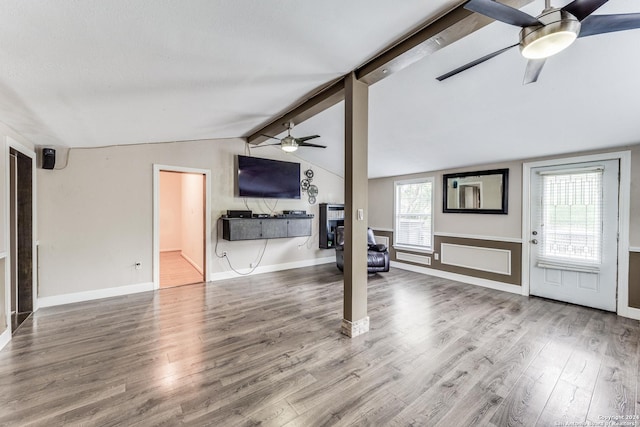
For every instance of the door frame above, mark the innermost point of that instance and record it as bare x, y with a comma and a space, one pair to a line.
156, 217
624, 199
13, 144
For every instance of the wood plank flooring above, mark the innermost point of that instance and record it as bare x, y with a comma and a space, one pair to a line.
266, 350
177, 271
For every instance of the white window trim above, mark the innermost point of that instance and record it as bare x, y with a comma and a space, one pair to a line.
397, 245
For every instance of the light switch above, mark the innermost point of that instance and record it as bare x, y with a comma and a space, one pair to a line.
360, 214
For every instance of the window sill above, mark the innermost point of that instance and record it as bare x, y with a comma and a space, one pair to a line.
413, 249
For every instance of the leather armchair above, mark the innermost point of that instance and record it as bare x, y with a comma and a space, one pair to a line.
377, 255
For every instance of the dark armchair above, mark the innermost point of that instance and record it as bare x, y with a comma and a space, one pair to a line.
377, 255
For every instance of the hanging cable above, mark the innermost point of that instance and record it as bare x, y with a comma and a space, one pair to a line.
224, 254
215, 249
264, 249
271, 210
309, 239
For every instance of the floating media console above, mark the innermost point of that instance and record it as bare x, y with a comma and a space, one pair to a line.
265, 228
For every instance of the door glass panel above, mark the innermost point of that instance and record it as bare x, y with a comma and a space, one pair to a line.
571, 222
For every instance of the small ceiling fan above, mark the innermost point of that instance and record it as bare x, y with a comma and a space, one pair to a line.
291, 144
549, 33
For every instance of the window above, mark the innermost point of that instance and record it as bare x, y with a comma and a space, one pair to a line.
413, 227
571, 223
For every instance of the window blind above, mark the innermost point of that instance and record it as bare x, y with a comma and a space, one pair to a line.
413, 214
571, 216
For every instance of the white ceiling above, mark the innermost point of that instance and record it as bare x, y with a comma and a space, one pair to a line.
95, 73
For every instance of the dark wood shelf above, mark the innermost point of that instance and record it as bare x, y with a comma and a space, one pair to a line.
265, 228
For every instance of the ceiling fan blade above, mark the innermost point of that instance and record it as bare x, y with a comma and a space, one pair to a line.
583, 8
474, 63
269, 136
306, 138
533, 70
308, 144
600, 24
502, 12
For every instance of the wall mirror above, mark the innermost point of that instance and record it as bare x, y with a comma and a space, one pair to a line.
476, 192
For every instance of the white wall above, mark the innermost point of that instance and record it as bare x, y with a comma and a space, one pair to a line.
95, 216
192, 223
170, 211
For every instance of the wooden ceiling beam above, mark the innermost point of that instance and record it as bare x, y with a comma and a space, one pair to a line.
432, 36
317, 103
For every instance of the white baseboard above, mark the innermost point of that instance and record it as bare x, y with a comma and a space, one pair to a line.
499, 286
192, 262
5, 337
630, 312
271, 268
96, 294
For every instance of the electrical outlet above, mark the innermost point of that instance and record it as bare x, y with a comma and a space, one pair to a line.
436, 256
138, 265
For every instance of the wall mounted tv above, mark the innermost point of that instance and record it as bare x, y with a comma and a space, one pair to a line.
266, 178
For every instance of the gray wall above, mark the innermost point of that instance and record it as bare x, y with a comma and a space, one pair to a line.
381, 205
96, 216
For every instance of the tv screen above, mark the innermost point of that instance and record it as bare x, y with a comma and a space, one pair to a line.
267, 178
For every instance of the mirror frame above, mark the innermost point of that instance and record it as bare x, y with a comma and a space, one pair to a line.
504, 196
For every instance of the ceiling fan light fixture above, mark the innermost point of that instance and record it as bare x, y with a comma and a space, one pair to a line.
289, 144
559, 31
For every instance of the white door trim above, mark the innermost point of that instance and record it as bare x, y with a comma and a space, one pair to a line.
156, 217
12, 143
624, 157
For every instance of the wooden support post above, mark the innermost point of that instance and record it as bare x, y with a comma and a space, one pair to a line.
355, 320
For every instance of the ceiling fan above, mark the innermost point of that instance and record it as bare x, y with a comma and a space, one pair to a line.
549, 33
291, 144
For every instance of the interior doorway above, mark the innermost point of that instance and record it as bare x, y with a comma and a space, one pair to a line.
182, 227
20, 237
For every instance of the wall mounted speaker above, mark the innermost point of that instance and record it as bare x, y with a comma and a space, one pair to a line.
48, 158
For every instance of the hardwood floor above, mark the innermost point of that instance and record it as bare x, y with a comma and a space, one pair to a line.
266, 350
177, 271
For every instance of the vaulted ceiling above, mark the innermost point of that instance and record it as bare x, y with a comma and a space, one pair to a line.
96, 73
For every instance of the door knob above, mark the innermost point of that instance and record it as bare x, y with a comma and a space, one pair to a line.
534, 232
534, 241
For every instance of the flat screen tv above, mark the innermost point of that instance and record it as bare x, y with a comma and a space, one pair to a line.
266, 178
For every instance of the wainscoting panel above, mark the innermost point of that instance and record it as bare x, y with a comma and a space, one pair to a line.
491, 260
413, 258
486, 259
492, 267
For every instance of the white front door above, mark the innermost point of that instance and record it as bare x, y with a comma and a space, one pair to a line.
574, 233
